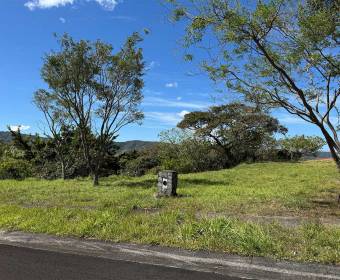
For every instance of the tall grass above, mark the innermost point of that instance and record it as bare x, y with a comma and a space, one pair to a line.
124, 209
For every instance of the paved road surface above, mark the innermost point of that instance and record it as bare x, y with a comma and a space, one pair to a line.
18, 263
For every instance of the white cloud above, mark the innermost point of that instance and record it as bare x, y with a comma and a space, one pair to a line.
183, 113
152, 65
160, 102
62, 20
179, 98
162, 117
45, 4
108, 4
172, 85
166, 118
21, 127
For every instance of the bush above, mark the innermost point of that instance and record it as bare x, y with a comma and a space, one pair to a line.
15, 169
298, 146
139, 163
180, 150
140, 166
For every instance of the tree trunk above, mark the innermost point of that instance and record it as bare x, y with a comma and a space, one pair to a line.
95, 179
335, 156
332, 146
63, 173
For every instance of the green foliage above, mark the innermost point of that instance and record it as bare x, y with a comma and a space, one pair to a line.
2, 149
13, 164
319, 19
139, 163
22, 144
180, 150
298, 146
241, 132
94, 91
15, 169
60, 156
272, 61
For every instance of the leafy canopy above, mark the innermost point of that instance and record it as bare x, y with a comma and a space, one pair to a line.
94, 91
277, 53
240, 130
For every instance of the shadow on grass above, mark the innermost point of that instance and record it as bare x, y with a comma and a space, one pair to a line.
203, 182
325, 203
145, 184
152, 183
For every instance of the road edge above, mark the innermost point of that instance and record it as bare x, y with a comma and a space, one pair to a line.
223, 264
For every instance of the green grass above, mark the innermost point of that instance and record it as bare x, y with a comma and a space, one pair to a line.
125, 210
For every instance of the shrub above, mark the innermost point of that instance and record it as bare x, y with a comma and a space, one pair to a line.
180, 150
139, 163
298, 146
15, 169
140, 166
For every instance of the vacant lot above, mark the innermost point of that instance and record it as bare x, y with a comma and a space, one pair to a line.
226, 210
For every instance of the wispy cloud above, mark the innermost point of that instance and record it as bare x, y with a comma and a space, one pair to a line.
160, 102
290, 119
62, 20
166, 118
172, 85
20, 127
183, 113
108, 4
125, 18
46, 4
152, 65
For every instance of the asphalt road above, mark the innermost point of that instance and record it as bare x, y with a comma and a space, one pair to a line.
17, 263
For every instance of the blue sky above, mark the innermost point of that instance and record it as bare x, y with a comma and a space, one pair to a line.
171, 89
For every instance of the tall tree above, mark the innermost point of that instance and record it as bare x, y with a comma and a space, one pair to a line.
239, 130
97, 91
279, 53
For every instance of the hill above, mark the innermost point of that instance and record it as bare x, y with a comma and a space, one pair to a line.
5, 136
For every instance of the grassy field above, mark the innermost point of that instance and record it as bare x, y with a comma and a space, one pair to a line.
208, 214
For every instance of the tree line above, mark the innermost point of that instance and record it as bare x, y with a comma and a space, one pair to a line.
221, 137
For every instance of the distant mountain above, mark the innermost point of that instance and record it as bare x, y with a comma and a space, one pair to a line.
6, 137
